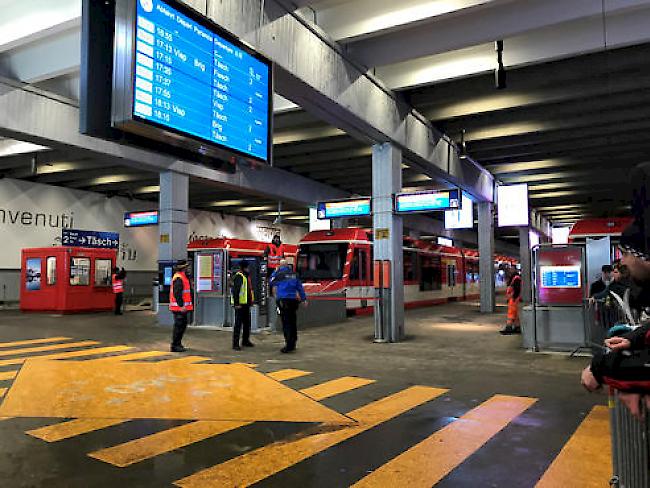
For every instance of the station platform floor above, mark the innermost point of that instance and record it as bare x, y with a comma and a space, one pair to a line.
98, 401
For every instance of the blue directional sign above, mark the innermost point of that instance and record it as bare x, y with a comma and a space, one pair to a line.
560, 276
359, 207
191, 79
139, 219
428, 201
89, 238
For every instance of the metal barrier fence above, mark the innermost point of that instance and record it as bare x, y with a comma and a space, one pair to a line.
601, 316
630, 445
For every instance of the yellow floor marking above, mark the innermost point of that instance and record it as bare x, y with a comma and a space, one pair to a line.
4, 418
3, 391
34, 341
257, 465
72, 428
287, 374
250, 365
335, 387
68, 355
426, 463
53, 347
586, 460
132, 356
169, 440
185, 360
157, 390
8, 375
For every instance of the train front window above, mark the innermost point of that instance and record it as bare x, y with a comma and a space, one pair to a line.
321, 261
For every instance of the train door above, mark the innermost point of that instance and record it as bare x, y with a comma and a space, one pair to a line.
451, 273
360, 289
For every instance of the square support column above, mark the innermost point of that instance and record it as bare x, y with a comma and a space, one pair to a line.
172, 225
524, 260
486, 259
388, 243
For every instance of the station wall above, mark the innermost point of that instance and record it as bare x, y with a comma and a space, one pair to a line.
33, 214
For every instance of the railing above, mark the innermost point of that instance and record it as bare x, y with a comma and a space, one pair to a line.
630, 445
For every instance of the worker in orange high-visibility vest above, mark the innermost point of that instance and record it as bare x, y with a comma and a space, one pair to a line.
275, 252
180, 303
117, 280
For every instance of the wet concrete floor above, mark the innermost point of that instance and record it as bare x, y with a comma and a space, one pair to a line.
454, 405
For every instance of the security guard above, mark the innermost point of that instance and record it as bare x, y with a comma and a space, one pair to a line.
117, 280
275, 253
289, 293
242, 298
180, 303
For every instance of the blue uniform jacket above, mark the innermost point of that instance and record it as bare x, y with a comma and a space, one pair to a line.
287, 284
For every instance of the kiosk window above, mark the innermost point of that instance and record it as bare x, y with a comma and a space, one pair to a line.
33, 274
51, 270
103, 272
80, 271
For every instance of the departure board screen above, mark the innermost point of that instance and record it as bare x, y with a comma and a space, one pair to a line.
192, 78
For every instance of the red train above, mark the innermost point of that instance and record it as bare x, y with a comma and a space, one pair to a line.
340, 261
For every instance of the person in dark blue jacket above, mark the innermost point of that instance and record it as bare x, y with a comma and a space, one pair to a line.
289, 293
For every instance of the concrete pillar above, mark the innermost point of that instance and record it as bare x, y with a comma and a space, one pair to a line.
173, 224
388, 231
524, 259
486, 259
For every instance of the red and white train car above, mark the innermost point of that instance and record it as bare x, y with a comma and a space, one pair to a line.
339, 262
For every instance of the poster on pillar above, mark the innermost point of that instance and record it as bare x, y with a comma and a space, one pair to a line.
560, 276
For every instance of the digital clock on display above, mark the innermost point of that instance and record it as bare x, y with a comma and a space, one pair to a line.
182, 79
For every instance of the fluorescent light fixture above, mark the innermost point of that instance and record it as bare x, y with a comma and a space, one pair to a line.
227, 203
512, 205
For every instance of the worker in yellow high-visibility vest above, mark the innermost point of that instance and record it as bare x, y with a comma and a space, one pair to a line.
241, 298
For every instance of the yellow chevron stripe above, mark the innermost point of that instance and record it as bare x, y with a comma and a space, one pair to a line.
34, 341
3, 391
586, 460
169, 440
426, 463
132, 356
53, 347
257, 465
72, 428
8, 375
287, 374
68, 355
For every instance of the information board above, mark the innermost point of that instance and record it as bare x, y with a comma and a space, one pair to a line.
560, 276
462, 218
183, 73
359, 207
427, 201
512, 205
89, 238
140, 219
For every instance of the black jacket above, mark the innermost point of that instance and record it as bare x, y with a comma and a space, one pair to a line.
618, 287
597, 287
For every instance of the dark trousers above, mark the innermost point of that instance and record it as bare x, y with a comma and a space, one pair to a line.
242, 320
289, 317
180, 324
119, 298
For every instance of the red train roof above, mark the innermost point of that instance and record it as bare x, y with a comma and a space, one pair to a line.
256, 247
599, 227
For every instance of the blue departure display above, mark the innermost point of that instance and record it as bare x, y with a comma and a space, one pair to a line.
560, 276
139, 219
360, 207
192, 80
427, 201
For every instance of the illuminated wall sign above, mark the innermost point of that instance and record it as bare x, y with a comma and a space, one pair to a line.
512, 205
427, 201
359, 207
139, 219
443, 241
182, 79
463, 218
318, 224
560, 276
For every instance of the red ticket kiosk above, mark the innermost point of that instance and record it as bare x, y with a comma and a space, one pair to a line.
66, 279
